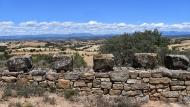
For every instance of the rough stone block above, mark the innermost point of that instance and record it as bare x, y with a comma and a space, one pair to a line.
152, 86
105, 79
87, 75
71, 75
89, 85
97, 91
96, 83
106, 85
133, 75
102, 75
139, 86
80, 83
119, 76
9, 79
159, 86
187, 82
177, 82
188, 88
52, 76
64, 84
133, 81
103, 62
145, 60
38, 78
170, 94
145, 74
118, 86
164, 80
127, 87
176, 88
145, 80
115, 92
175, 62
156, 74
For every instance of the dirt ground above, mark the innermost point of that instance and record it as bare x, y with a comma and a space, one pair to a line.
38, 102
162, 104
61, 102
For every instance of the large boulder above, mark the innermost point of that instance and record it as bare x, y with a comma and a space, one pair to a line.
20, 63
103, 62
65, 63
176, 62
145, 60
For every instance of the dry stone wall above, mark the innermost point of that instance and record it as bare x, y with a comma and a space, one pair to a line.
157, 84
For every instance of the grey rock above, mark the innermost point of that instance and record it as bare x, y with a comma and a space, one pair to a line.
52, 76
176, 62
184, 99
119, 76
38, 72
103, 63
106, 85
96, 83
20, 63
64, 63
145, 60
72, 75
170, 94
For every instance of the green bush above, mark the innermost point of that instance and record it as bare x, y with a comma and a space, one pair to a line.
69, 93
7, 91
42, 60
124, 46
78, 61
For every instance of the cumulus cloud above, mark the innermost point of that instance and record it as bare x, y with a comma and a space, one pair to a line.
54, 27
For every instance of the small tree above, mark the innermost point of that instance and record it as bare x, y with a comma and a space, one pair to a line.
78, 61
124, 46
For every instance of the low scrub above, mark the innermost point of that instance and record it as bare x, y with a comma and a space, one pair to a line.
49, 99
110, 101
70, 93
18, 104
23, 90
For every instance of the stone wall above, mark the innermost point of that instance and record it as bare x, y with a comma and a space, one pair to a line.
157, 84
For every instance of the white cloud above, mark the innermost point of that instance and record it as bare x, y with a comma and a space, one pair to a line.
54, 27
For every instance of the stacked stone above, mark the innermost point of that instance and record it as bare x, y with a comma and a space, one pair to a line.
157, 84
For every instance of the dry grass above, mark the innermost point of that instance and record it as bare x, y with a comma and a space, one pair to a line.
53, 100
39, 102
162, 104
184, 45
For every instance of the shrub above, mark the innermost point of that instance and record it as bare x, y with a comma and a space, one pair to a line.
50, 100
124, 46
23, 90
17, 104
110, 101
42, 60
69, 93
7, 92
126, 102
78, 61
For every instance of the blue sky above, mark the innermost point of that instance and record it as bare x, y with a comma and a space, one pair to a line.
73, 16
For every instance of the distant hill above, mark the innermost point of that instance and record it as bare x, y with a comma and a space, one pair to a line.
82, 36
175, 34
79, 36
